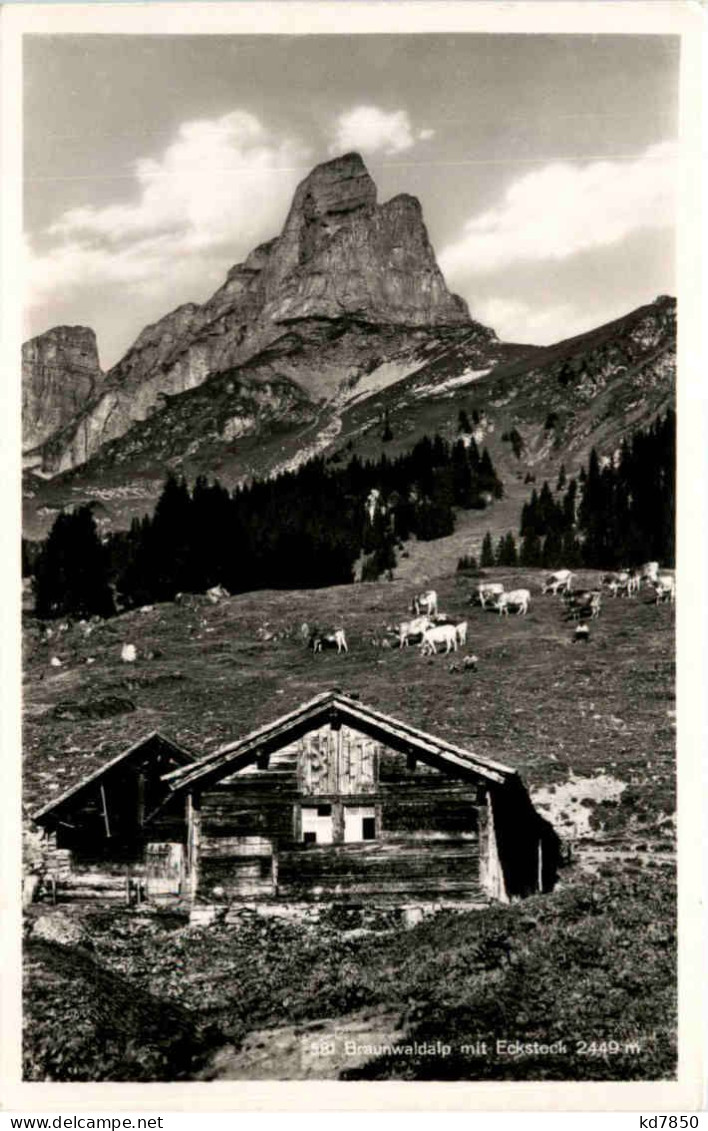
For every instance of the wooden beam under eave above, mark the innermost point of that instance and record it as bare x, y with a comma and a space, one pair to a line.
230, 763
104, 806
407, 741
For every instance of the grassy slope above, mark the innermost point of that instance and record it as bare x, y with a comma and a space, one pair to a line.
83, 1022
538, 701
593, 959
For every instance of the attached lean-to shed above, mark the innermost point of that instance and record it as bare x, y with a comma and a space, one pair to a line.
120, 822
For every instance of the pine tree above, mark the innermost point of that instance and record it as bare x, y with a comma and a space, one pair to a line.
71, 576
506, 551
30, 554
517, 442
551, 554
463, 422
569, 505
173, 549
487, 557
562, 478
462, 479
571, 551
530, 553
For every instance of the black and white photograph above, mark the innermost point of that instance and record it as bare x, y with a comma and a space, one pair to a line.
349, 405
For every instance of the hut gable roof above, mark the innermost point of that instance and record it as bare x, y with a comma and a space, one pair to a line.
339, 709
152, 744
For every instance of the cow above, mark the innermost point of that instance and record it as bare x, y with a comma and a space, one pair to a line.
560, 581
439, 634
616, 582
489, 591
335, 639
410, 628
461, 633
425, 603
517, 597
583, 604
635, 582
665, 588
650, 571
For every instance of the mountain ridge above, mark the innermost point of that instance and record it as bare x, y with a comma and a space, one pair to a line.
561, 400
340, 254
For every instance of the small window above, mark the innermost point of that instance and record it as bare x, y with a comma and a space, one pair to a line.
324, 810
309, 838
368, 828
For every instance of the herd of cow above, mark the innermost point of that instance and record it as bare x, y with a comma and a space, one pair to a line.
432, 629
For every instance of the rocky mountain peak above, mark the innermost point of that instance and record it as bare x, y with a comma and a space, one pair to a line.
341, 185
340, 258
60, 373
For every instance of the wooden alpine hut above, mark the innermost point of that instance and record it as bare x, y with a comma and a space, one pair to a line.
333, 801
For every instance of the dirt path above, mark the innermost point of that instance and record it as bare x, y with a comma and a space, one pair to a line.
314, 1050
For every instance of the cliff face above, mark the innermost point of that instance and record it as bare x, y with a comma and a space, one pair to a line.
340, 256
60, 374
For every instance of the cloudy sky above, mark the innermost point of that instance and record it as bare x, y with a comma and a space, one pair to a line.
544, 164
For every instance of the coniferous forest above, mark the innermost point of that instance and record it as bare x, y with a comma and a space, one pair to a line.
622, 513
311, 527
302, 529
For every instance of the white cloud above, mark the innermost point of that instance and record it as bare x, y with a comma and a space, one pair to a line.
517, 321
371, 130
222, 184
561, 209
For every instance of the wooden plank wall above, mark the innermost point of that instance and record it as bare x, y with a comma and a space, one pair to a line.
427, 825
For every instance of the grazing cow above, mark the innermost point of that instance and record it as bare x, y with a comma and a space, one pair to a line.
489, 591
557, 582
650, 571
411, 628
426, 603
635, 582
461, 633
665, 588
616, 582
439, 634
517, 597
335, 639
585, 603
582, 634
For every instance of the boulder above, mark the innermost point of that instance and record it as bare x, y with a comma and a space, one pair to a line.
60, 927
